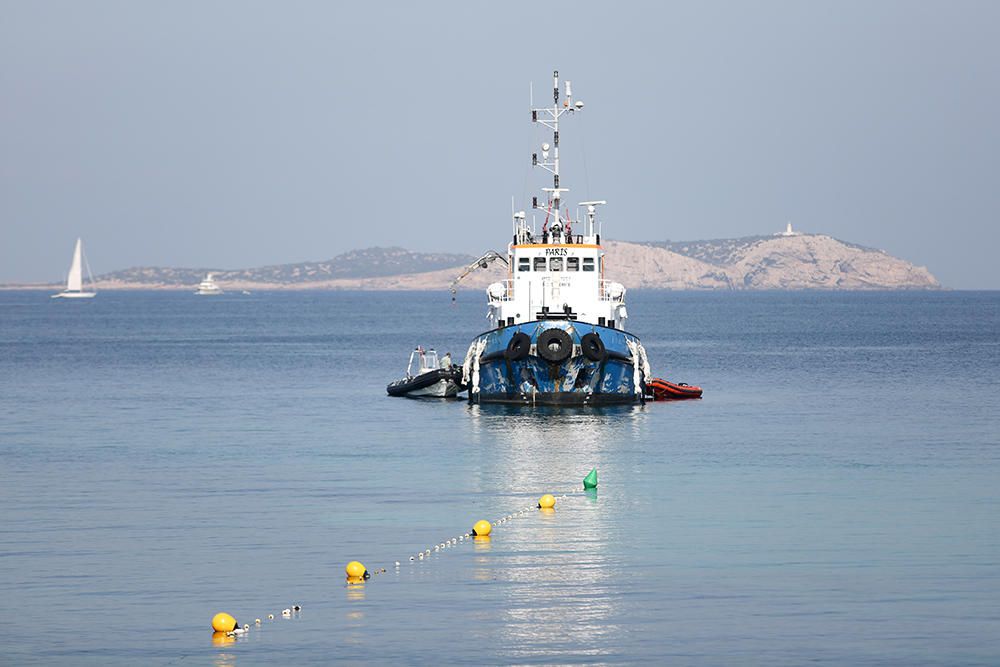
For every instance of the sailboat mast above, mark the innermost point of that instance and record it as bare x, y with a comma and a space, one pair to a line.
90, 274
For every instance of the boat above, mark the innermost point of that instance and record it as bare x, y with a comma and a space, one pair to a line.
427, 377
558, 327
74, 280
207, 287
664, 390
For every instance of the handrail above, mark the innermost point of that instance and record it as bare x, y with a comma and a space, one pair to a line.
507, 295
606, 294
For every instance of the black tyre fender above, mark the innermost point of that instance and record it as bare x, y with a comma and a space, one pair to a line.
554, 345
518, 347
593, 347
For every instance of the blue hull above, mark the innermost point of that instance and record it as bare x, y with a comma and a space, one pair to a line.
577, 380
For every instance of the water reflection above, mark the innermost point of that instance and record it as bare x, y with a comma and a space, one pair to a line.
558, 592
354, 615
528, 450
222, 639
557, 568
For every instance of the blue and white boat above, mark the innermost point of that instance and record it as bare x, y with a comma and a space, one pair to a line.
558, 335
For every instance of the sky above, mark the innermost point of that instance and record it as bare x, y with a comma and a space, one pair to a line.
239, 134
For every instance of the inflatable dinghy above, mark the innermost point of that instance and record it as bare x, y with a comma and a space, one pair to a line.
662, 390
438, 383
426, 376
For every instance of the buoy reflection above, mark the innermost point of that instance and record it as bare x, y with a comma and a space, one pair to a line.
355, 589
222, 639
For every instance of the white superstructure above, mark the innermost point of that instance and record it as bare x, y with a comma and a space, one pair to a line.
207, 287
557, 272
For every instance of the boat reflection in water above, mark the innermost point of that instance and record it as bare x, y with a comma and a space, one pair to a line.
556, 574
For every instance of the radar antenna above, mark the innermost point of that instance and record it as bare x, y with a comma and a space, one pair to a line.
591, 213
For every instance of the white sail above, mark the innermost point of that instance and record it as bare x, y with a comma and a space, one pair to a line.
74, 283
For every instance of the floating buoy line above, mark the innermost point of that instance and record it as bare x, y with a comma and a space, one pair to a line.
226, 627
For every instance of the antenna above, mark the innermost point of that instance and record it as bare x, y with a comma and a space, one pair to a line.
549, 117
592, 213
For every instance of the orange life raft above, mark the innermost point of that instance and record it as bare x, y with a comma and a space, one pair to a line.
662, 390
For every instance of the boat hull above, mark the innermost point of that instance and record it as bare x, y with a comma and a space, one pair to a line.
74, 295
506, 373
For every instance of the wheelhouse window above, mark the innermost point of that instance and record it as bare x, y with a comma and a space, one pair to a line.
588, 263
539, 264
555, 264
572, 263
524, 264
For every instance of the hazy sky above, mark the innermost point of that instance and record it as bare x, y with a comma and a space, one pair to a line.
237, 134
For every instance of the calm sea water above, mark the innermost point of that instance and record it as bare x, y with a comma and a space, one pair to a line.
834, 499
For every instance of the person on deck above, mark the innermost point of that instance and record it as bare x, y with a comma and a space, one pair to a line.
446, 361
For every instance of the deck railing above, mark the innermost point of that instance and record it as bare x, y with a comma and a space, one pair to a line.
612, 291
501, 291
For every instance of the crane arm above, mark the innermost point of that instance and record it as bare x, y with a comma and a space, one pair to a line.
488, 258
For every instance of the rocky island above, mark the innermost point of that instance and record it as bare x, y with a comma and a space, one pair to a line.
787, 261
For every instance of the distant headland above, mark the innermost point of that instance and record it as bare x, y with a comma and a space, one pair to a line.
787, 260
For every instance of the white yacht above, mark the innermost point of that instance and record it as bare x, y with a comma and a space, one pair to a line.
74, 281
207, 287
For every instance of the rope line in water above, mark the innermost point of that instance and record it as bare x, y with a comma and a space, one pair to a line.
227, 629
425, 554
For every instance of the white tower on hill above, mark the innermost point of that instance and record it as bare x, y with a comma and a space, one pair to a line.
788, 231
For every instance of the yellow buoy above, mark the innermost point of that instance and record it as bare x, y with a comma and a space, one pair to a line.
547, 501
223, 622
356, 570
482, 528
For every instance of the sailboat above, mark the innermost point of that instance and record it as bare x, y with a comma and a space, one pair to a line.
74, 282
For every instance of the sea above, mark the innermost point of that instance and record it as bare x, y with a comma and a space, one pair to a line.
833, 499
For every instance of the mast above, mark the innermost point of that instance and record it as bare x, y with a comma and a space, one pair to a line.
549, 117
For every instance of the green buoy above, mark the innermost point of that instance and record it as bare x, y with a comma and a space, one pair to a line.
590, 481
